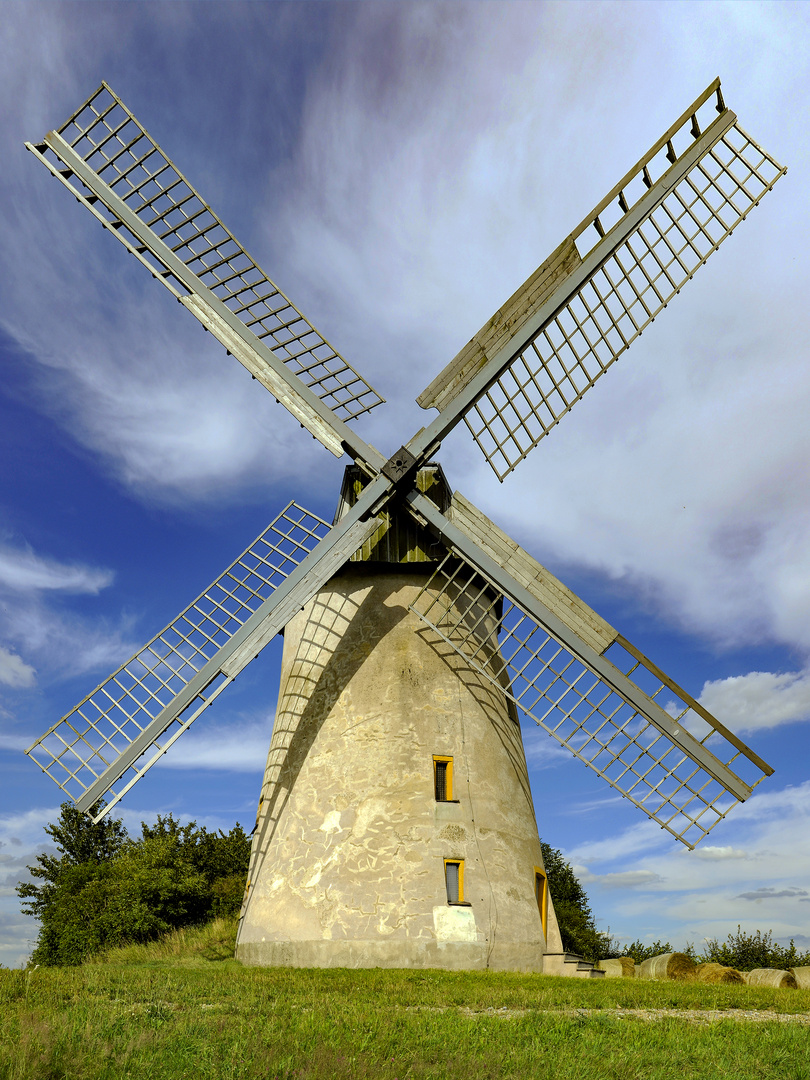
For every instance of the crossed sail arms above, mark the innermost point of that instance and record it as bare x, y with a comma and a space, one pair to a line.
544, 648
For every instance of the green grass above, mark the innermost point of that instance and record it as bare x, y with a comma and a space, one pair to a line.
180, 1008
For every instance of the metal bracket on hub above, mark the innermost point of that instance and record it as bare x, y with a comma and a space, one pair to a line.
399, 465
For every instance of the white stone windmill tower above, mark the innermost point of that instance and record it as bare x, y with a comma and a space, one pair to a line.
396, 824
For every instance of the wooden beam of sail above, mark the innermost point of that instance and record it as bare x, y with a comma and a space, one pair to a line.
565, 326
115, 169
115, 734
581, 681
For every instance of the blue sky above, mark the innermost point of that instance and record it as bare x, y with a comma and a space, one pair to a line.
399, 169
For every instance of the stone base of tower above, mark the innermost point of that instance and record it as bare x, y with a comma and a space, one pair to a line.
356, 851
450, 956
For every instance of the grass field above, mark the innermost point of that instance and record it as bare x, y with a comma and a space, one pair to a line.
182, 1008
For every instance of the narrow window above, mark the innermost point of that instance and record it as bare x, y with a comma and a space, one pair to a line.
443, 778
541, 894
454, 880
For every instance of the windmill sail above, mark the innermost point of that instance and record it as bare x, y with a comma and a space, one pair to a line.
111, 164
119, 731
511, 620
550, 342
582, 682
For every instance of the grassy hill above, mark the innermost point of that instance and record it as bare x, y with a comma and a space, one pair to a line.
182, 1008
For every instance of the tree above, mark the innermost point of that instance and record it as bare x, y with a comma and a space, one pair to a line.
106, 889
571, 906
222, 859
78, 841
640, 952
86, 851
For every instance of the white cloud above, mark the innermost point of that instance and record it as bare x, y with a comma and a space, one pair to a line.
14, 671
24, 830
24, 571
712, 854
62, 642
759, 700
627, 879
15, 742
542, 752
59, 640
641, 837
770, 806
237, 747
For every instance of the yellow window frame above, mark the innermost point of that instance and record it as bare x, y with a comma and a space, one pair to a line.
439, 759
460, 864
541, 895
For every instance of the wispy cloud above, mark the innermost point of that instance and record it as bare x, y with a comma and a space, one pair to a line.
23, 831
759, 700
14, 671
543, 752
15, 742
627, 879
52, 636
238, 747
24, 571
766, 807
641, 837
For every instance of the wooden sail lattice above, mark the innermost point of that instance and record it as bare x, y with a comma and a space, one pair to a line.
653, 753
118, 149
620, 299
79, 749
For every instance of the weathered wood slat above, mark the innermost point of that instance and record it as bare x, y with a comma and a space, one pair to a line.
534, 577
503, 325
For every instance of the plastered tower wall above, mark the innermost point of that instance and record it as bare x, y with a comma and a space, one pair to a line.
348, 858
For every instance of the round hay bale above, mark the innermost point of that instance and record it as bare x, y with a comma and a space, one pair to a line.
618, 967
675, 965
802, 977
716, 973
771, 977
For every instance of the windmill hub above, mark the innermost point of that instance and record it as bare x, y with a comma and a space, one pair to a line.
398, 466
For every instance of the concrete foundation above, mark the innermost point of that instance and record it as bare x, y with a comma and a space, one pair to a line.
348, 858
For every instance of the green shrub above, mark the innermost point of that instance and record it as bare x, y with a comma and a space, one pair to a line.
640, 952
757, 950
106, 889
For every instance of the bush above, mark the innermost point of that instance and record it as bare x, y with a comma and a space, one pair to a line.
106, 890
640, 952
745, 952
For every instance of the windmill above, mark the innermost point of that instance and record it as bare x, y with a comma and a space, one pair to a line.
396, 824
